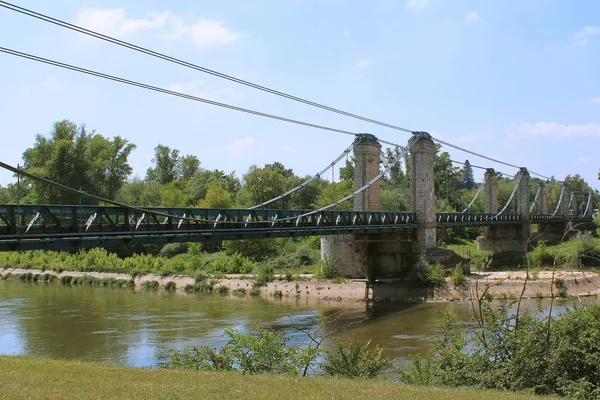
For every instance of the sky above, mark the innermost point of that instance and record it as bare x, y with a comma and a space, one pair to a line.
515, 80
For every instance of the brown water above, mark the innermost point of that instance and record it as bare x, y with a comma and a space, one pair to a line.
137, 328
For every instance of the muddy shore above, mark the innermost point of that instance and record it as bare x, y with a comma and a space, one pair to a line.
577, 283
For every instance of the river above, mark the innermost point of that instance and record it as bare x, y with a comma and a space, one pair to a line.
137, 328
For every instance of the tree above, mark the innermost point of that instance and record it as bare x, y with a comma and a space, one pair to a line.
446, 177
172, 196
77, 158
264, 183
216, 197
166, 165
467, 181
347, 171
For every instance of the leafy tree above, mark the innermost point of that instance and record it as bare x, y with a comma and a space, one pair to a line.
347, 171
216, 197
166, 165
196, 187
189, 166
172, 196
140, 193
446, 177
77, 158
265, 183
336, 191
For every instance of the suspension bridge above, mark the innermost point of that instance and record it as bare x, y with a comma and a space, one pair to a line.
367, 235
353, 238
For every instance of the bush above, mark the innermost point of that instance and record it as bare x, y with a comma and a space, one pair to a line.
266, 351
170, 286
172, 249
424, 274
353, 360
505, 354
327, 268
561, 286
150, 285
241, 292
266, 274
540, 255
458, 276
222, 289
507, 259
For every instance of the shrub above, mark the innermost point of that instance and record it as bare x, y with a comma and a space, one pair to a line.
540, 255
150, 285
172, 249
277, 293
327, 268
266, 351
458, 276
561, 286
266, 274
222, 289
505, 354
424, 274
241, 292
353, 360
170, 286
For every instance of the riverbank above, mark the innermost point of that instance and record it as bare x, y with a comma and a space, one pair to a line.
570, 283
39, 378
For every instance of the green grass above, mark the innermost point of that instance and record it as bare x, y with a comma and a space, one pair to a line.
38, 378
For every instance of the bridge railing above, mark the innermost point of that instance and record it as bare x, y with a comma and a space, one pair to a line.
54, 219
546, 217
473, 219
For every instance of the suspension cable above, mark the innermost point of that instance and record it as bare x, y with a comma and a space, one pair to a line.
562, 191
165, 57
517, 181
534, 204
479, 190
303, 184
587, 207
166, 91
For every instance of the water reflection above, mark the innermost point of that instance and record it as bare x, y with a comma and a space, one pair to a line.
136, 329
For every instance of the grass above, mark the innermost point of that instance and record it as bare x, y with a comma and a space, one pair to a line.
38, 378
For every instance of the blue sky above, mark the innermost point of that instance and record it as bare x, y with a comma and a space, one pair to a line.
515, 80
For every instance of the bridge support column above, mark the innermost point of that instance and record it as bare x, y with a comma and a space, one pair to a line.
554, 230
351, 252
490, 192
422, 199
510, 237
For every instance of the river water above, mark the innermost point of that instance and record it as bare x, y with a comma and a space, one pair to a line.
137, 328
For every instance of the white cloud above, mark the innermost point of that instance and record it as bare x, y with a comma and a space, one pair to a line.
554, 130
51, 83
417, 4
364, 64
473, 17
204, 33
583, 160
581, 38
594, 100
185, 87
241, 144
116, 22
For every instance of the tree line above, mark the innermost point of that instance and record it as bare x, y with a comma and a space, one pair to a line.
79, 158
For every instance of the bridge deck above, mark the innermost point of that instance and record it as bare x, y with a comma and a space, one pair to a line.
29, 227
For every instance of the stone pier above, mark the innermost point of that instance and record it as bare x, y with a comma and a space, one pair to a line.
509, 237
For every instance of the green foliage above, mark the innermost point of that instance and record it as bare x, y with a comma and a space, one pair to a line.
254, 249
241, 292
216, 197
540, 255
266, 273
507, 260
327, 268
222, 289
79, 159
234, 264
561, 286
150, 285
172, 249
353, 360
424, 274
458, 276
266, 351
546, 355
170, 286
